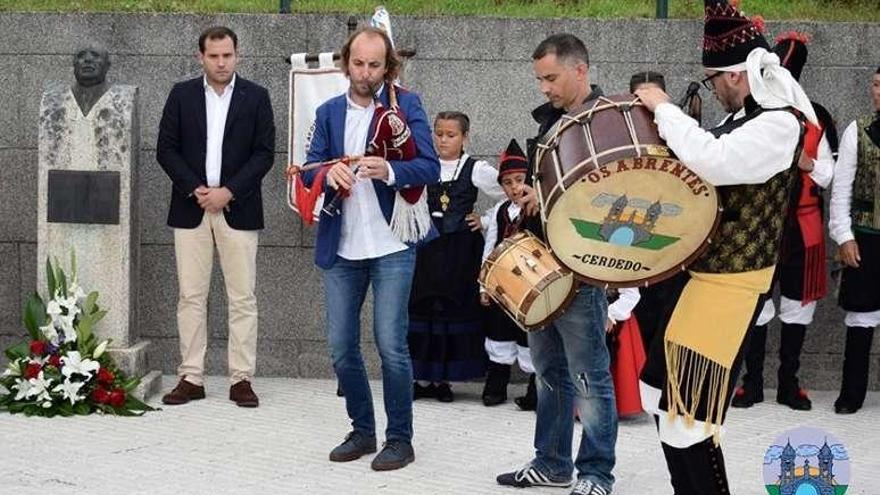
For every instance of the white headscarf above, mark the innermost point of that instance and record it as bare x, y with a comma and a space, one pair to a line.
771, 85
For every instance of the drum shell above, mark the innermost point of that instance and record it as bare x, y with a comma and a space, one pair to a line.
515, 287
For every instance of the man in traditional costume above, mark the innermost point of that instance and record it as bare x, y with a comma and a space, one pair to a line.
855, 227
752, 158
801, 271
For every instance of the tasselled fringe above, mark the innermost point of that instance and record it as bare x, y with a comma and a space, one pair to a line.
687, 373
411, 222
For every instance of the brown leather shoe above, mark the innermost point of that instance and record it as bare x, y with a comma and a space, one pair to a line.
183, 393
243, 395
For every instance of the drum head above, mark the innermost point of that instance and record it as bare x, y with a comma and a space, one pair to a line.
552, 299
632, 221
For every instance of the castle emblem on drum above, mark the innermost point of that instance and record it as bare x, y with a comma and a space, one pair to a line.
629, 222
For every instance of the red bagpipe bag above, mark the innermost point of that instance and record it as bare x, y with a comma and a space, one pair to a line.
392, 139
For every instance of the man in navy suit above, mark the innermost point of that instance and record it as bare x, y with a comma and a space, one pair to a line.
357, 246
216, 142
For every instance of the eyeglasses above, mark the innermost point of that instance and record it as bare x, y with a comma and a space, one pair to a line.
708, 83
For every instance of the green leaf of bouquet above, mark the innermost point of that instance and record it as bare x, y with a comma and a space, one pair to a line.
72, 264
82, 408
84, 331
98, 315
89, 305
34, 316
62, 279
50, 278
66, 409
122, 411
18, 351
133, 403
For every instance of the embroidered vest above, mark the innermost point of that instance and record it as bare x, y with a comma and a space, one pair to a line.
506, 227
461, 195
866, 189
754, 215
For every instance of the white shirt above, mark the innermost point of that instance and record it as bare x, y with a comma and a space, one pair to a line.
621, 309
484, 176
365, 232
216, 110
840, 222
750, 154
490, 225
823, 165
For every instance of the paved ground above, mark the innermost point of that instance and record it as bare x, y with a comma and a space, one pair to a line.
213, 447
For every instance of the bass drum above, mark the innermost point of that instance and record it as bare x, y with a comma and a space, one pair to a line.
618, 208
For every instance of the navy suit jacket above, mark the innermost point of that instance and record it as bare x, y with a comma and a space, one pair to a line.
328, 142
248, 151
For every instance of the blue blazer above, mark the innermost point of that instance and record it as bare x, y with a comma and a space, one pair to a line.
328, 142
248, 152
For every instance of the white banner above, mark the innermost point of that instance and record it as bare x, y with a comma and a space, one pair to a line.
308, 89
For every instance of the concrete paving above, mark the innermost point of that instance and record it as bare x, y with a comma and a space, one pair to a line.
213, 447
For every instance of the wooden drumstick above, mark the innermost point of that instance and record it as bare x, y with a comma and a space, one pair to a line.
294, 169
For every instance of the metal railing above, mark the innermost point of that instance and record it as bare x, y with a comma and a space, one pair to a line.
662, 9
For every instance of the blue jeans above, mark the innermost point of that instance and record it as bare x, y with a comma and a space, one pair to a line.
345, 287
572, 366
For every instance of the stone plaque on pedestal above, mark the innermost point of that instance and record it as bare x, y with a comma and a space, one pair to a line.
88, 157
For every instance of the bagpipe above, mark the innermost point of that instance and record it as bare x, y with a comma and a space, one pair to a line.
390, 138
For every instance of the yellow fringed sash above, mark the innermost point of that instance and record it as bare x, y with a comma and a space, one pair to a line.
703, 337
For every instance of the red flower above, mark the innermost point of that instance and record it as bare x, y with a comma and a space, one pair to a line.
105, 376
100, 395
54, 360
38, 348
117, 397
32, 370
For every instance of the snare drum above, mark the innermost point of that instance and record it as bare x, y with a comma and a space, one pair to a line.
618, 207
526, 280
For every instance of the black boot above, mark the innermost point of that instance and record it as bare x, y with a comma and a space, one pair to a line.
428, 391
789, 391
752, 390
698, 469
528, 402
856, 364
495, 389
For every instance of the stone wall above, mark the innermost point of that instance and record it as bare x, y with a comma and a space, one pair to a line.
480, 65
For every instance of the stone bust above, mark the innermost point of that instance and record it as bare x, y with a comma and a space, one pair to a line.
90, 66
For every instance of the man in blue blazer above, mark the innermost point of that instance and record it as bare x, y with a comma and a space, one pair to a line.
356, 246
216, 142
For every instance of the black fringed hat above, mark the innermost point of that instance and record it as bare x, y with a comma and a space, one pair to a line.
728, 35
512, 160
791, 47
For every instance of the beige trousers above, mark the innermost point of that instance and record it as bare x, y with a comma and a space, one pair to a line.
194, 251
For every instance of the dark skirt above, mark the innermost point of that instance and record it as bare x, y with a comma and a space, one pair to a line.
860, 287
446, 327
446, 352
